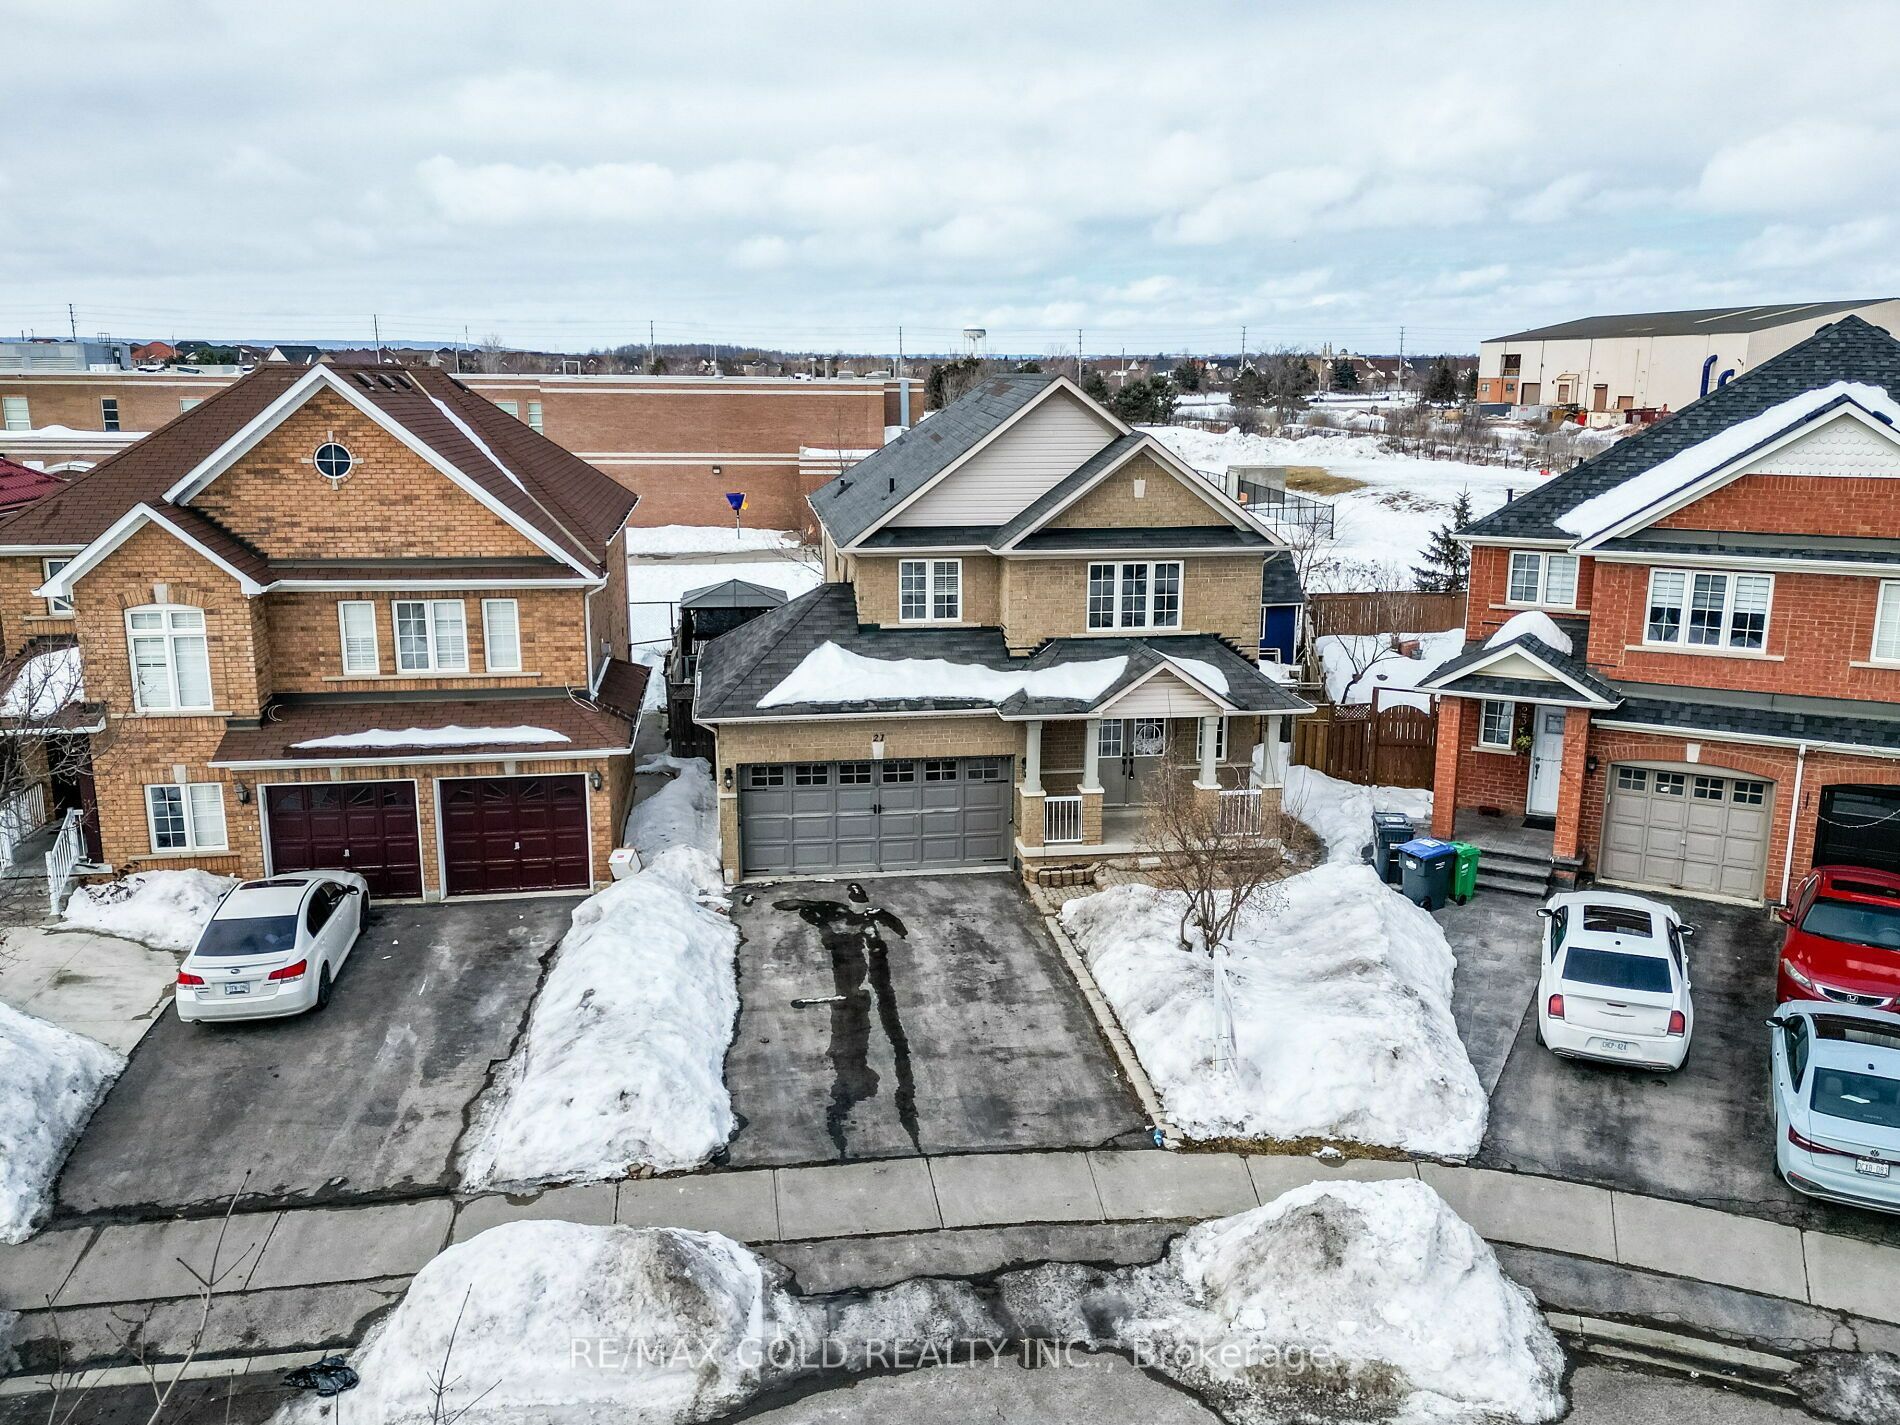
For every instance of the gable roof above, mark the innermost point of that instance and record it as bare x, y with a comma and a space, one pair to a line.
733, 594
1568, 680
563, 503
1850, 349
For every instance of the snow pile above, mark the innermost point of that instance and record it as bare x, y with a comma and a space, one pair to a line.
163, 909
1860, 1387
1534, 622
1377, 1288
1341, 812
684, 812
46, 684
1668, 477
451, 736
830, 674
50, 1081
1202, 672
674, 540
536, 1321
1340, 996
1341, 655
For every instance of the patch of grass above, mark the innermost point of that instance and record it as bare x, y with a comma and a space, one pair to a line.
1318, 480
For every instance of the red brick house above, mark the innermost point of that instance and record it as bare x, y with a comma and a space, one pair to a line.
1727, 711
335, 616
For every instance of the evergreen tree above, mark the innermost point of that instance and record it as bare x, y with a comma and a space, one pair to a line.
949, 380
1030, 368
1190, 374
1095, 388
1447, 566
1344, 375
1441, 382
1468, 384
657, 367
1145, 401
1249, 389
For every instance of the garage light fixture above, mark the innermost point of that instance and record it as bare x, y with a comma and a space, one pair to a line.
594, 780
725, 779
243, 793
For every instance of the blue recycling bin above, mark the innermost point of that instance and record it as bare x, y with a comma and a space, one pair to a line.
1425, 867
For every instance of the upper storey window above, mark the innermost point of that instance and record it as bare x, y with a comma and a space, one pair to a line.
1135, 595
1887, 623
929, 590
171, 670
431, 636
1714, 611
1548, 580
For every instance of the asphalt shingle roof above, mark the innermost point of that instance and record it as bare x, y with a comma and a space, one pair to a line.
1864, 724
1571, 667
733, 594
1699, 322
1280, 580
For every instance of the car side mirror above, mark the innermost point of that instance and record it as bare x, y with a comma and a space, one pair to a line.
1687, 932
1546, 912
1785, 914
1774, 1023
353, 890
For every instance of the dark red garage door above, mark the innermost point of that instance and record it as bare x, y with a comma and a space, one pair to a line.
514, 834
366, 827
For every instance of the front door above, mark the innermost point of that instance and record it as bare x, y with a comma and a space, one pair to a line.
1547, 761
1129, 750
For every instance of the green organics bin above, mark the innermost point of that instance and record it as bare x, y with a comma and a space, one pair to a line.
1464, 875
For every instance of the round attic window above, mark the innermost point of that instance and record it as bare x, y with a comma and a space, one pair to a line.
334, 461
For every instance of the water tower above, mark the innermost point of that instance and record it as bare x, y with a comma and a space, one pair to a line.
974, 341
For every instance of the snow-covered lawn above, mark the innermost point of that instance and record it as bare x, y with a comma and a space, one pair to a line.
163, 909
1341, 812
623, 1063
50, 1081
1341, 1012
1340, 655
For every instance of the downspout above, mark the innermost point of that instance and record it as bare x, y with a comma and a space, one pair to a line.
1794, 810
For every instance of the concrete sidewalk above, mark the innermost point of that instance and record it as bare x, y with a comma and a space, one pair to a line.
104, 988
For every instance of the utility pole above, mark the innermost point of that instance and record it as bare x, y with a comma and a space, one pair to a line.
1243, 351
72, 321
1401, 366
649, 343
376, 327
1078, 356
899, 371
459, 354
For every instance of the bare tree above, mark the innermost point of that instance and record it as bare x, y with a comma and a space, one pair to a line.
1219, 861
1384, 608
48, 735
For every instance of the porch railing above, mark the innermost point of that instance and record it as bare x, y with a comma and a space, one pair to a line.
67, 852
1061, 820
21, 815
1240, 812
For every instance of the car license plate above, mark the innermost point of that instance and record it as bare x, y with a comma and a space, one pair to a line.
1615, 1046
242, 988
1872, 1168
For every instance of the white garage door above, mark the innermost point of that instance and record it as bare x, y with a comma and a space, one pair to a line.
1686, 831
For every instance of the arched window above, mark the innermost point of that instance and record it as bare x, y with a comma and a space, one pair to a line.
171, 671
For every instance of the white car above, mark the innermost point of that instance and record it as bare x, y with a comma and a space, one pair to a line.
1614, 983
273, 947
1835, 1074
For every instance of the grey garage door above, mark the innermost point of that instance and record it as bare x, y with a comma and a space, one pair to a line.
1686, 831
801, 818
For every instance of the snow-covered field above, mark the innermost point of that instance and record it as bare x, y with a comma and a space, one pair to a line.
1340, 995
50, 1081
1341, 812
623, 1063
1341, 655
163, 909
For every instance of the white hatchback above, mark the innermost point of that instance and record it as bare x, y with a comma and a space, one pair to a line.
1614, 984
1835, 1074
273, 947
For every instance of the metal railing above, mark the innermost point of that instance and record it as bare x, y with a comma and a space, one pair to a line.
21, 815
1240, 812
1061, 820
1286, 508
67, 852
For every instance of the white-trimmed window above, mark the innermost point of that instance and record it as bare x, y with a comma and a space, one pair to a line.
1496, 724
356, 619
1220, 739
501, 635
185, 403
1887, 622
513, 408
1549, 580
1697, 610
57, 608
14, 414
1135, 595
534, 415
929, 590
431, 636
171, 669
186, 818
109, 413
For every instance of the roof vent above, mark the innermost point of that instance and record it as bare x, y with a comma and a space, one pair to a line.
363, 380
893, 484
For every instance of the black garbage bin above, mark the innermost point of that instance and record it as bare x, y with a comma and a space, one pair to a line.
1390, 830
1425, 866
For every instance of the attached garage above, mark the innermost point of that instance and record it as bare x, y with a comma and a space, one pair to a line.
1674, 829
1859, 826
505, 834
366, 827
807, 818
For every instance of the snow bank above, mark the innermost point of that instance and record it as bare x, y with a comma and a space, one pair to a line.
1341, 1009
830, 674
46, 684
1340, 654
163, 909
559, 1321
684, 812
1537, 624
1341, 812
1400, 1295
451, 736
50, 1081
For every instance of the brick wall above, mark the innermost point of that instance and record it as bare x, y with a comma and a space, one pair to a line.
23, 616
1486, 610
1165, 502
1796, 504
73, 400
607, 606
875, 579
1048, 598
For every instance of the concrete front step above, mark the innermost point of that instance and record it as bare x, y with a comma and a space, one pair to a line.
1513, 881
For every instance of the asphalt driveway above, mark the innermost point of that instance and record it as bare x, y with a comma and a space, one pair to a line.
923, 1014
364, 1099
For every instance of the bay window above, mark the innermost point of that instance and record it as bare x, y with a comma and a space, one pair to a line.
1697, 610
431, 636
501, 635
186, 818
1887, 623
929, 590
1549, 580
1135, 595
171, 669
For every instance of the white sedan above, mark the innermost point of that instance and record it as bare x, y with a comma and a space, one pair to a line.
273, 947
1835, 1072
1614, 983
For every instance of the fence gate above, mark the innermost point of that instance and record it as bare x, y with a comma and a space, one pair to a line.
1387, 747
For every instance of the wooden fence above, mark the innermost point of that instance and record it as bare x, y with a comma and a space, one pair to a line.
1385, 611
1390, 747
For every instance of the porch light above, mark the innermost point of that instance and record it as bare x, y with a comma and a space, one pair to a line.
593, 780
725, 779
243, 793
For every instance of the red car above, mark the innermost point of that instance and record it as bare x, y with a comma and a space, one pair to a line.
1843, 941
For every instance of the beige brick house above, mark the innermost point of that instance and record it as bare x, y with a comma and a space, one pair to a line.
1030, 611
341, 617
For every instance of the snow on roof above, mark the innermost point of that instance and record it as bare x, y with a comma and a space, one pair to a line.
830, 674
1201, 672
451, 736
475, 440
1685, 467
1538, 625
705, 539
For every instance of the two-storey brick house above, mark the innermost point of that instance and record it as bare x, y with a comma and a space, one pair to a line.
1030, 610
1727, 713
343, 617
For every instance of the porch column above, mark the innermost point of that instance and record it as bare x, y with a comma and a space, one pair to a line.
1091, 756
1209, 780
1032, 758
1455, 717
1566, 842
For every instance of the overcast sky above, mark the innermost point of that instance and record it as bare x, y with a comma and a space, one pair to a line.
810, 175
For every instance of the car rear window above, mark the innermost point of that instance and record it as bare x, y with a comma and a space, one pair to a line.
1616, 920
261, 935
1859, 1098
1613, 970
1857, 924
